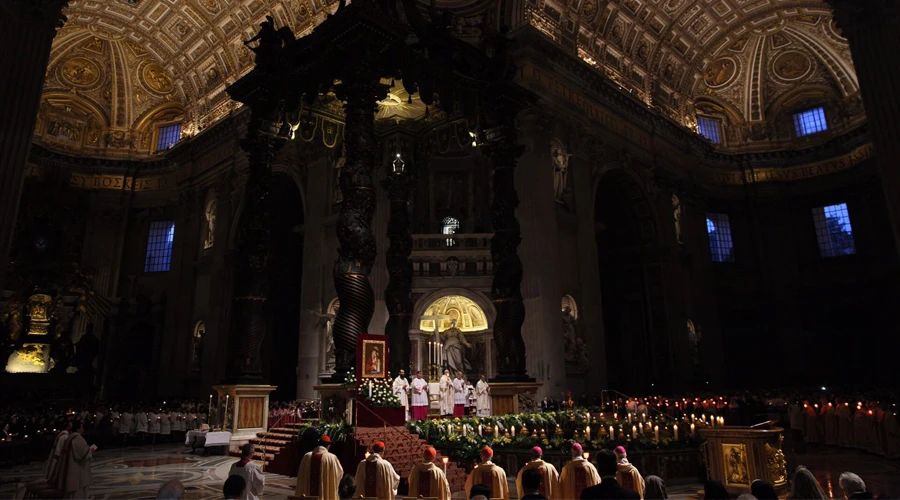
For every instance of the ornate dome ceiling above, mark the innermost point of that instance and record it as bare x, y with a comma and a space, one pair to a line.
120, 69
748, 61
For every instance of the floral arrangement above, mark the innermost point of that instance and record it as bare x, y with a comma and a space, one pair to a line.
379, 393
552, 430
338, 431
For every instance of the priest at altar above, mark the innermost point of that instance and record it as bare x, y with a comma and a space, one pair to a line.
419, 397
320, 473
483, 407
549, 476
375, 476
446, 388
401, 390
489, 474
577, 475
427, 479
460, 395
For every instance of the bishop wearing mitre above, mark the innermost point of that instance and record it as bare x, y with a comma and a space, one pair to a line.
446, 386
320, 473
428, 480
577, 475
401, 389
419, 397
375, 476
489, 474
549, 476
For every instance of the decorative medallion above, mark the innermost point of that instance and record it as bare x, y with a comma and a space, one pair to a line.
791, 65
211, 5
155, 78
721, 72
80, 72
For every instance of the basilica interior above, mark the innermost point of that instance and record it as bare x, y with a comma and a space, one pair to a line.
640, 195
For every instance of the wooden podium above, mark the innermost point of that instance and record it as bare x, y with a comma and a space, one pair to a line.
738, 455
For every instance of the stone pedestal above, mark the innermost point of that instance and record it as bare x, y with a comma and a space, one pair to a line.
248, 410
510, 398
738, 455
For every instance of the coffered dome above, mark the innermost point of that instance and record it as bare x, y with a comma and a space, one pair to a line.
749, 62
120, 69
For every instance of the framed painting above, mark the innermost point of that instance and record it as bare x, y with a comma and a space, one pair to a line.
372, 357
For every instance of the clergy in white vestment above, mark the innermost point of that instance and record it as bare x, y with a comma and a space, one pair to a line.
427, 480
549, 477
141, 427
401, 389
446, 386
489, 474
248, 470
419, 397
460, 394
376, 477
114, 419
577, 475
125, 423
74, 472
483, 406
320, 473
165, 424
52, 469
153, 423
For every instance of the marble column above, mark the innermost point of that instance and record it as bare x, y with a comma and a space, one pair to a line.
251, 280
873, 30
356, 255
397, 294
27, 28
503, 150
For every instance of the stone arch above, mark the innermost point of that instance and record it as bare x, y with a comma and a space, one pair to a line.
479, 298
632, 197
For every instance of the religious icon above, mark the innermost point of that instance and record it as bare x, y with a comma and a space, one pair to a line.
374, 364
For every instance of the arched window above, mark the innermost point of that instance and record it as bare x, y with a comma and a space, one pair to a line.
197, 346
450, 226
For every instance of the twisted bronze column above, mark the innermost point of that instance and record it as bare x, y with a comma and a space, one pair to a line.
506, 293
251, 285
399, 288
356, 255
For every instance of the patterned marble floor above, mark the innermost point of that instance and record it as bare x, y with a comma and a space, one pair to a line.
137, 473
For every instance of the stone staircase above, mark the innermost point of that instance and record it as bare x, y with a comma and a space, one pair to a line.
403, 450
276, 448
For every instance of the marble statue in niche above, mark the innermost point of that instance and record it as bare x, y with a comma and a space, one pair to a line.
694, 337
197, 346
455, 345
209, 215
676, 213
338, 196
326, 323
575, 348
560, 158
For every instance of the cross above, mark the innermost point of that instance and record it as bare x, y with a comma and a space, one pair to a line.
437, 336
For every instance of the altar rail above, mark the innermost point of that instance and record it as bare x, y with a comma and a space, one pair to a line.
437, 255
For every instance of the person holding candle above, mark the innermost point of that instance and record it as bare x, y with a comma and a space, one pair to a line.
627, 474
376, 477
577, 475
549, 486
427, 479
419, 397
320, 472
489, 474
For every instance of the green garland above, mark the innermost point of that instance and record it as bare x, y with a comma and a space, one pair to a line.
338, 431
560, 427
382, 391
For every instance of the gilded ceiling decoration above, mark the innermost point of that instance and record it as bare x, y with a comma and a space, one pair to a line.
751, 61
120, 69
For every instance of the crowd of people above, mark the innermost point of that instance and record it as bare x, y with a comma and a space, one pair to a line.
457, 396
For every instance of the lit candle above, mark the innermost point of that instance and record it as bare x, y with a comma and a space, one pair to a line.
449, 429
693, 418
643, 417
633, 432
445, 460
612, 434
227, 397
641, 429
497, 430
615, 417
656, 433
629, 418
586, 455
693, 431
513, 429
587, 433
676, 432
479, 430
587, 416
464, 429
370, 389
